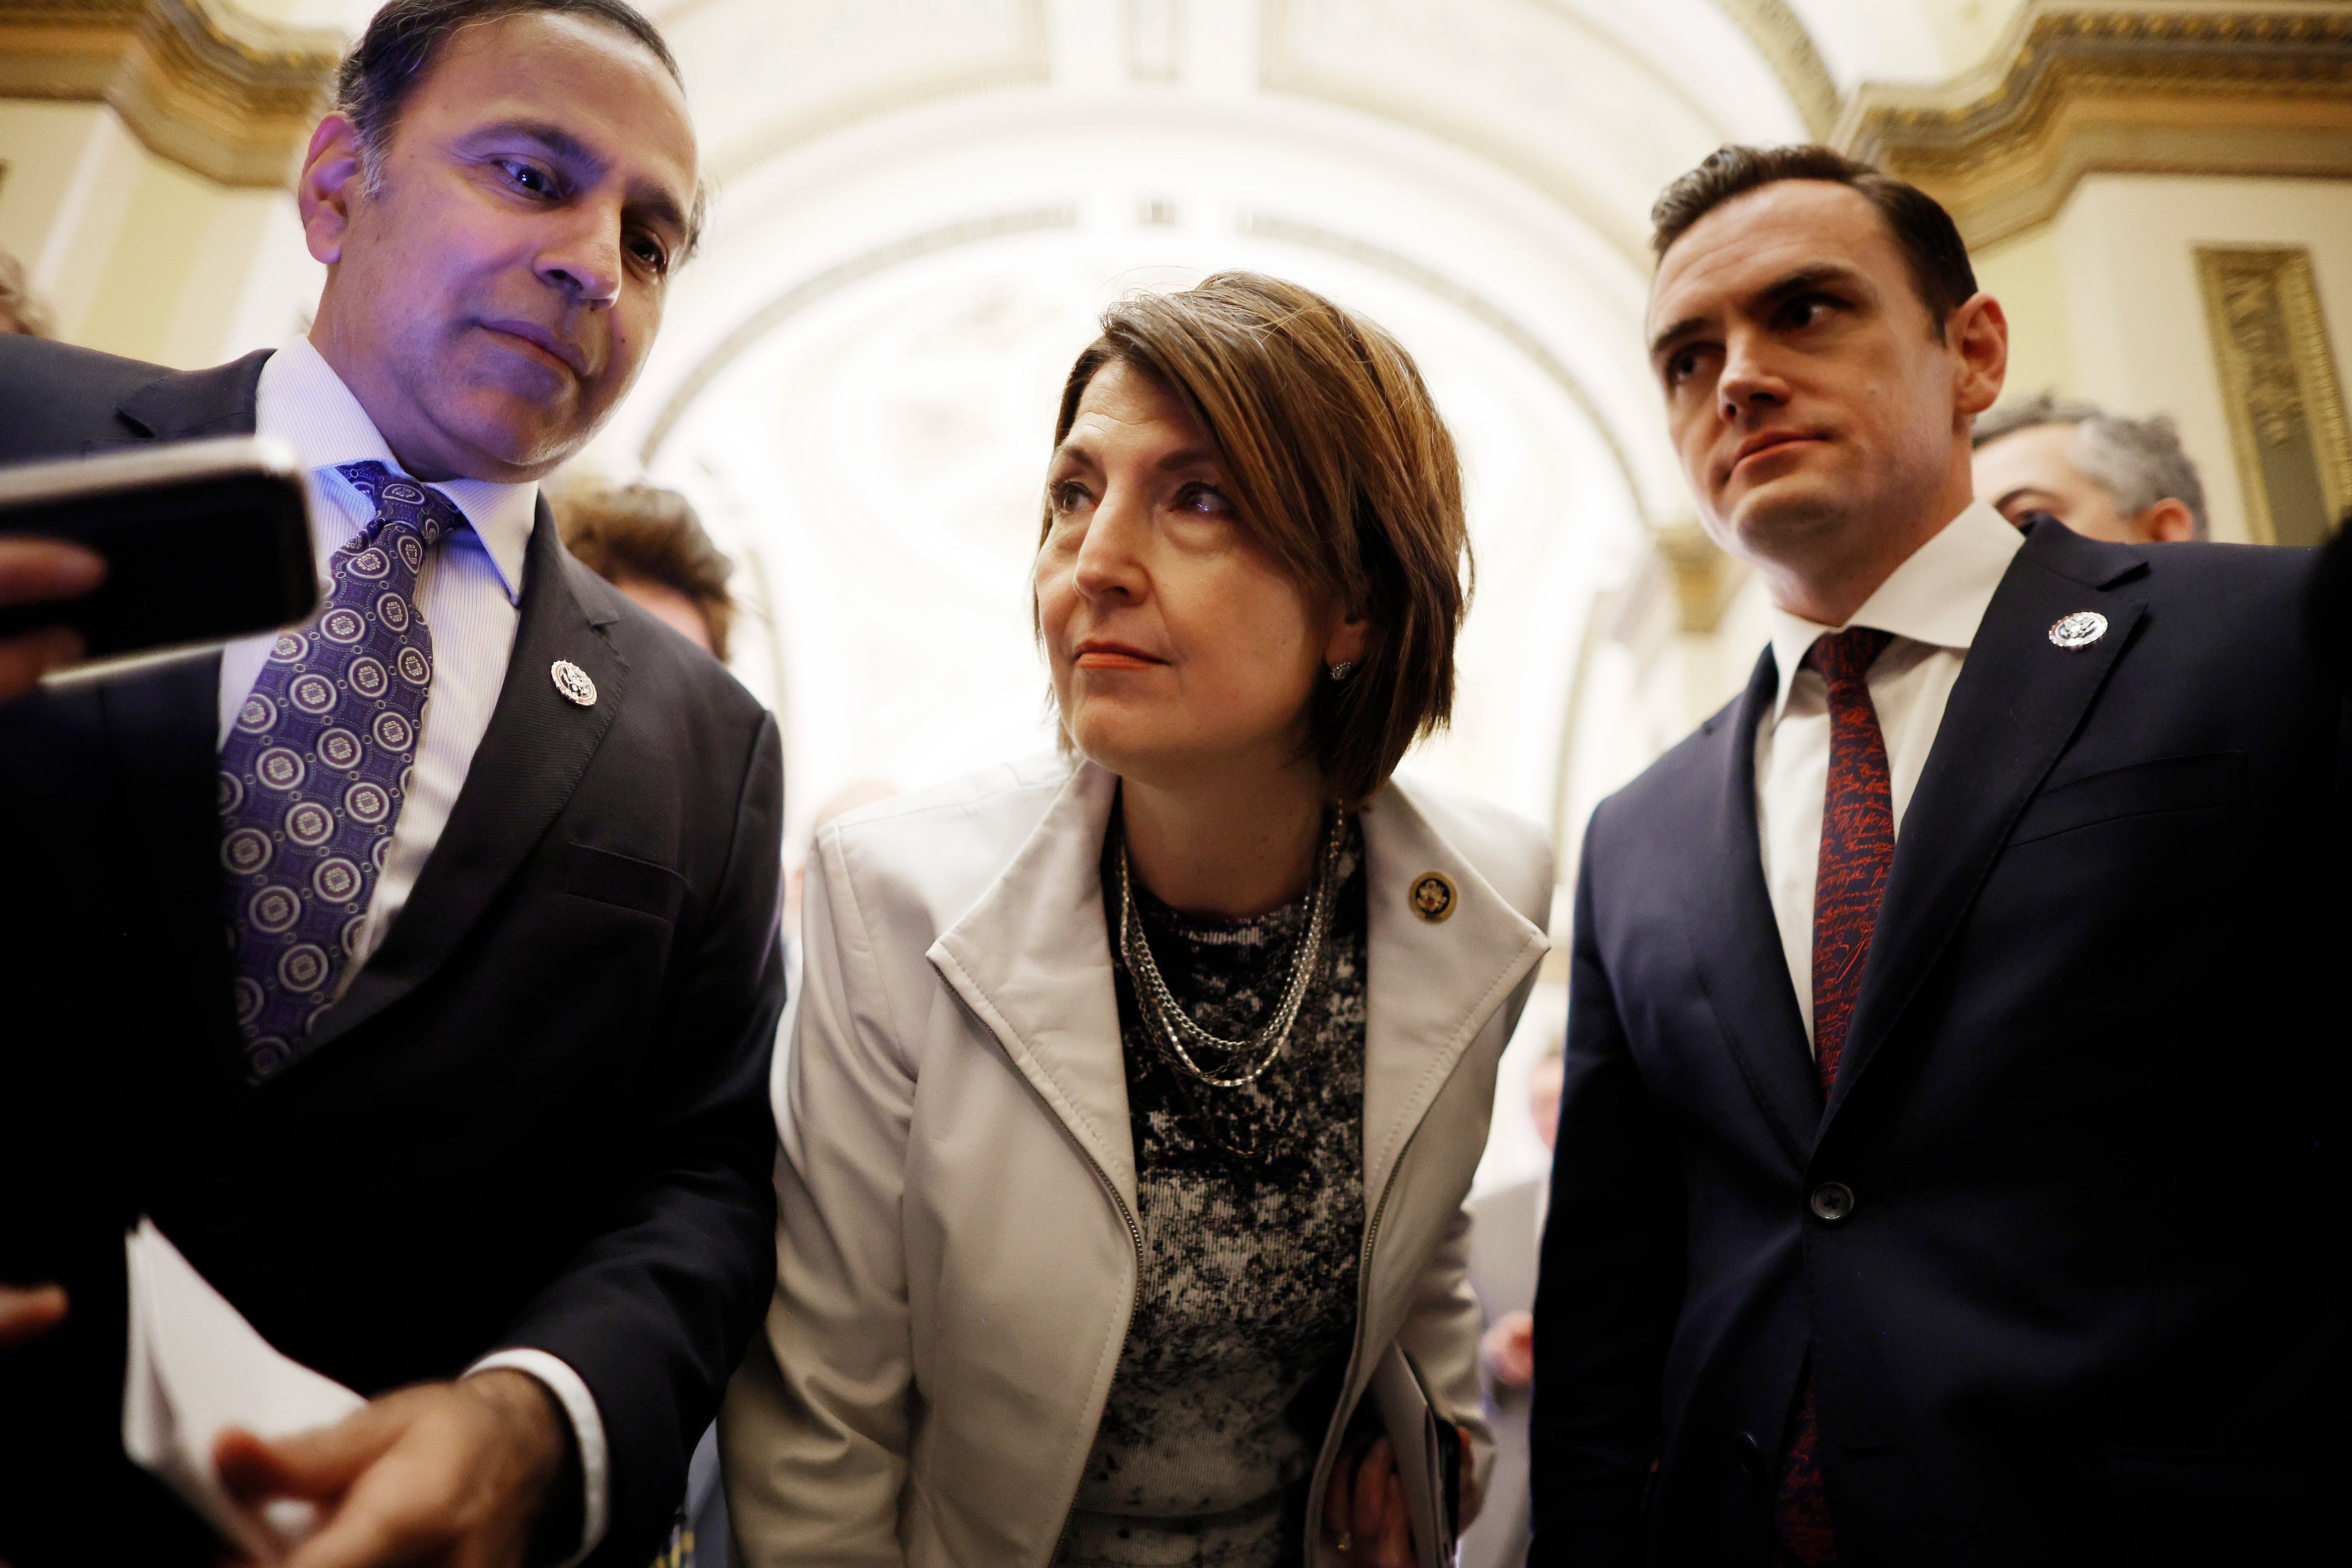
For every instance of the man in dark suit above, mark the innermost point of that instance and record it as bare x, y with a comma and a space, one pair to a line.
1952, 1156
415, 969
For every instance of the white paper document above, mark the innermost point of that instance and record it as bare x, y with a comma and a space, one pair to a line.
1423, 1452
196, 1366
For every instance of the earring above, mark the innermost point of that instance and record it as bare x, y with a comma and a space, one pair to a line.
1344, 669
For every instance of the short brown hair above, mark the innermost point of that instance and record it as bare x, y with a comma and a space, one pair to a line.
1921, 229
1340, 466
640, 531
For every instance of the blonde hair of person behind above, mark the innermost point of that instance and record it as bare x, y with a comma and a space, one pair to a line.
641, 530
19, 304
1341, 467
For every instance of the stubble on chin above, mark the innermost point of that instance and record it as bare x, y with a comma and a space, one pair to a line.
520, 433
1783, 530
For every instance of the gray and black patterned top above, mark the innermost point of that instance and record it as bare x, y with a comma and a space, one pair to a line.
1253, 1216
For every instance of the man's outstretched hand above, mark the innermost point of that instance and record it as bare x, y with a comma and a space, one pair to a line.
39, 572
451, 1474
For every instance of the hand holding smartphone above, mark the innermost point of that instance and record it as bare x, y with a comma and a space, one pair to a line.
196, 541
41, 571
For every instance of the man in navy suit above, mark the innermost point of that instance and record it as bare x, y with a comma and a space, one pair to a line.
415, 969
1952, 1159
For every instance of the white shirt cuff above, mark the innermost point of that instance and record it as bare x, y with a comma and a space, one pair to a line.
587, 1430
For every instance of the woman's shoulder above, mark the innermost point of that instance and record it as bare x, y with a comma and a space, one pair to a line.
941, 847
999, 806
1511, 852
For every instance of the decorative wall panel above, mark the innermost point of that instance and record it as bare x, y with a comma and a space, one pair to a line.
2278, 377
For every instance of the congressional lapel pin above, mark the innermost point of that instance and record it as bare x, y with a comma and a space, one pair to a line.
1433, 896
2080, 629
573, 682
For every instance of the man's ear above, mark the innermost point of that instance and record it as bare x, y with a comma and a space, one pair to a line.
1978, 334
332, 178
2168, 522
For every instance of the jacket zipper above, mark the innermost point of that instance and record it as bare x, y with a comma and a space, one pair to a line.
1134, 1231
1135, 1236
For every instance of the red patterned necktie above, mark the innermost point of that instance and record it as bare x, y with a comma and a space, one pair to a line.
1857, 850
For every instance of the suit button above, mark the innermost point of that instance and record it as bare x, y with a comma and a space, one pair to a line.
1750, 1455
1833, 1201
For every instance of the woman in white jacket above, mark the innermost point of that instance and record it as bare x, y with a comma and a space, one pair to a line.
1130, 1099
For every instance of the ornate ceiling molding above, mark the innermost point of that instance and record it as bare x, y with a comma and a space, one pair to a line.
1780, 36
747, 333
197, 82
1471, 304
2178, 87
1026, 62
1288, 64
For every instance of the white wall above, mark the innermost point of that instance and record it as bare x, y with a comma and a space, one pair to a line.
136, 255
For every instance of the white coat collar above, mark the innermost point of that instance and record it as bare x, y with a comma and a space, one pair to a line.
1434, 984
1032, 958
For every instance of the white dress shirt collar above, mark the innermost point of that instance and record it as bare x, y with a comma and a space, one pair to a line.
1938, 597
302, 402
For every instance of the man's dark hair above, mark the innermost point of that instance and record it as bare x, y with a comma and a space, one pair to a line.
1922, 229
395, 52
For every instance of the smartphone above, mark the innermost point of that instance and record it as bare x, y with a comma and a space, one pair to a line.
1428, 1456
204, 541
1448, 1438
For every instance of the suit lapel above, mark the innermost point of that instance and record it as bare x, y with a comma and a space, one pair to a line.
2014, 711
1032, 959
187, 406
1734, 938
531, 757
160, 725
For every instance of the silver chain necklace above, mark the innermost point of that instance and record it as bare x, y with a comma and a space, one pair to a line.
1176, 1025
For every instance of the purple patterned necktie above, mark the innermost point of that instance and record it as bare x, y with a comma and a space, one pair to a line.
1857, 852
316, 766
